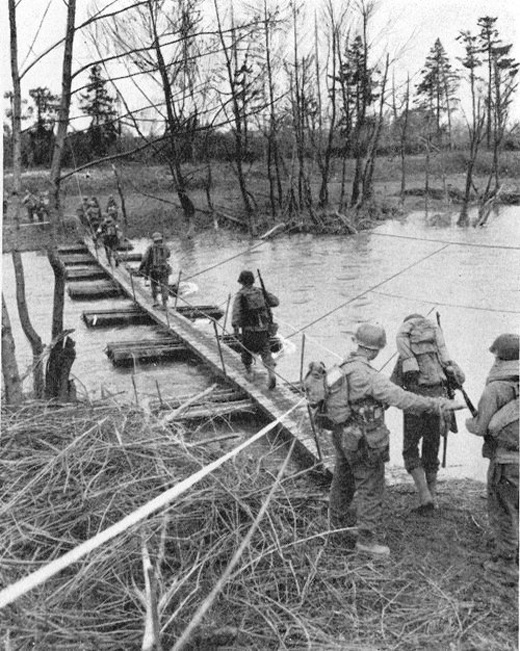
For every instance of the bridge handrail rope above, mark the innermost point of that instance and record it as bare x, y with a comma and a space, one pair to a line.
448, 242
43, 574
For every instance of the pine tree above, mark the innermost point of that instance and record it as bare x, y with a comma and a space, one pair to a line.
436, 91
99, 105
41, 134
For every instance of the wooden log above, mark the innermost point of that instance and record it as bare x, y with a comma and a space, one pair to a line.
68, 249
93, 290
75, 274
218, 395
136, 316
76, 259
126, 352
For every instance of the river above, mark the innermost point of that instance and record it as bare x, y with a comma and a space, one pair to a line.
411, 265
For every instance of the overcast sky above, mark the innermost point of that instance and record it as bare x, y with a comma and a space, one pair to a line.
407, 28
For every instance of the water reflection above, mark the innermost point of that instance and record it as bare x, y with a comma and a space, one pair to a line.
475, 289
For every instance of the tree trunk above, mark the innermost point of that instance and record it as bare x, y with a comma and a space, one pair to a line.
31, 334
62, 353
16, 115
63, 117
121, 195
12, 383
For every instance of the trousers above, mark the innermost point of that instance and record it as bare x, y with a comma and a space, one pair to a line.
424, 430
256, 343
362, 476
502, 499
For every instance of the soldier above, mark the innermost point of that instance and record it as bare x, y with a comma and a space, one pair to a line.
82, 211
112, 207
30, 201
94, 215
422, 368
109, 233
154, 265
250, 313
497, 422
362, 441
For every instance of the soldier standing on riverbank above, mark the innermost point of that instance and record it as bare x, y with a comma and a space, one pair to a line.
497, 422
422, 368
362, 442
251, 314
155, 266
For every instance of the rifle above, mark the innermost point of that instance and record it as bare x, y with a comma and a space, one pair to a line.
272, 326
450, 390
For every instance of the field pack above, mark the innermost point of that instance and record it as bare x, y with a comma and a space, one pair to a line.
328, 392
254, 308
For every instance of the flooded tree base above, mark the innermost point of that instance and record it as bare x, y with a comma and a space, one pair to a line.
71, 472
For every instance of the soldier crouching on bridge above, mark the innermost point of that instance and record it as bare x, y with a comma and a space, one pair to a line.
362, 441
251, 313
497, 421
154, 266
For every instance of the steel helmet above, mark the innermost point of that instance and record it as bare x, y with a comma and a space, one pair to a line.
371, 336
246, 278
157, 237
506, 347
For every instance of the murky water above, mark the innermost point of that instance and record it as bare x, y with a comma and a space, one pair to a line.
322, 284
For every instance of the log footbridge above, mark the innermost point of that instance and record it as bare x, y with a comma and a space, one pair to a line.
212, 351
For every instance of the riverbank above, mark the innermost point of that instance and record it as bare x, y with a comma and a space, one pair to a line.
70, 473
151, 203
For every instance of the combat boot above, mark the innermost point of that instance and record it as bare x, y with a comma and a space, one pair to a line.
271, 379
250, 374
425, 497
431, 480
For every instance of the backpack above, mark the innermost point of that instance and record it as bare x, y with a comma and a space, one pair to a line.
111, 230
504, 426
159, 256
254, 308
328, 392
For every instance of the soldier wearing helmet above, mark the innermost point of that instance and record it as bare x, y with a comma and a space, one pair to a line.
110, 236
497, 422
362, 441
422, 367
155, 266
250, 313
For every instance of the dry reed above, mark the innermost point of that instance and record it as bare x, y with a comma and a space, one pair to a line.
68, 473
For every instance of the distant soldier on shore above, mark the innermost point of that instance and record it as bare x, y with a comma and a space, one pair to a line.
82, 211
36, 206
155, 266
497, 422
422, 368
362, 440
250, 313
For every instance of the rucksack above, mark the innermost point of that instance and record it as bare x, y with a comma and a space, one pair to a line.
254, 308
159, 256
328, 392
111, 230
504, 426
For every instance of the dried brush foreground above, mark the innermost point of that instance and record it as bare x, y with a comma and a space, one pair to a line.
68, 473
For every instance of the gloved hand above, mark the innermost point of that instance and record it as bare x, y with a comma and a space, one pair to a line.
411, 378
454, 372
450, 405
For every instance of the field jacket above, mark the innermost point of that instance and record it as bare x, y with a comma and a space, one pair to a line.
499, 390
369, 386
239, 317
422, 349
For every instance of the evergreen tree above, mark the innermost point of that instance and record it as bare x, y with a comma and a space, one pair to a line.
41, 134
99, 105
436, 93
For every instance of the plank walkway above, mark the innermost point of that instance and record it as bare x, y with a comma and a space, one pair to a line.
223, 362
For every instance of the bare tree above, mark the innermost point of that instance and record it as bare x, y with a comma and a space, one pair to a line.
12, 382
16, 113
31, 334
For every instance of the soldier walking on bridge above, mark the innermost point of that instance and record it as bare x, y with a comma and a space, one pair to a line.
362, 441
155, 266
251, 314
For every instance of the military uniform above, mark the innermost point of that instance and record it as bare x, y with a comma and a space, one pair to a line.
109, 233
502, 479
250, 313
155, 266
362, 444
